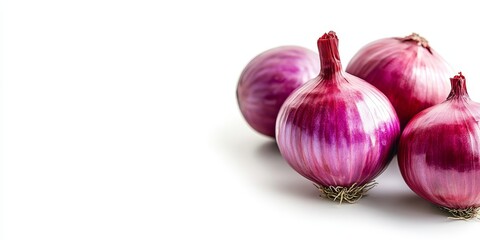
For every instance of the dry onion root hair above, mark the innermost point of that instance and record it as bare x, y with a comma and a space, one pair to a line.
462, 214
348, 194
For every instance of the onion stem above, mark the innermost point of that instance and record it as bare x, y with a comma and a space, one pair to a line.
349, 194
419, 39
329, 55
459, 87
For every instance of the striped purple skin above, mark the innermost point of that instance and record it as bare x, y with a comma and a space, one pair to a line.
269, 79
439, 151
337, 130
407, 70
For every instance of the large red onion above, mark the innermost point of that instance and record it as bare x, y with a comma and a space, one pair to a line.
269, 79
439, 153
337, 130
407, 70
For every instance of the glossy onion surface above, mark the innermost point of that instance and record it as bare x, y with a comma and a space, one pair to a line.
439, 152
407, 70
337, 130
269, 79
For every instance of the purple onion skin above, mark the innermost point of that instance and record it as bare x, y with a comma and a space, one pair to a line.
439, 151
337, 130
269, 79
407, 70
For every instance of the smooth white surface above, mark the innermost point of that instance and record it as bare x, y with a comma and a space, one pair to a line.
120, 120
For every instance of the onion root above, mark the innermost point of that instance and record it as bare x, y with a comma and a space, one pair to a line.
463, 214
349, 194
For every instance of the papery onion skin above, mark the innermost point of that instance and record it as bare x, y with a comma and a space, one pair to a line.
407, 70
439, 151
337, 130
269, 79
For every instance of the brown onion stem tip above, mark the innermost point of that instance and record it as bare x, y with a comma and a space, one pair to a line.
419, 39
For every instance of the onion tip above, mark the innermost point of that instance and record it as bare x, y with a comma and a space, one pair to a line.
329, 54
421, 41
459, 87
329, 35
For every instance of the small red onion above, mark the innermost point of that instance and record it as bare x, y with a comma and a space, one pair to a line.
439, 153
269, 79
407, 70
337, 130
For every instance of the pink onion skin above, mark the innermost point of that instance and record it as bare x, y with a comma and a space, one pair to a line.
407, 70
439, 151
269, 79
337, 130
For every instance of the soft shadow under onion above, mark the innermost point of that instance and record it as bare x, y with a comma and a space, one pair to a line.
286, 180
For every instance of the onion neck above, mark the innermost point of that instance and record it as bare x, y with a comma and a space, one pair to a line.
329, 56
459, 88
419, 40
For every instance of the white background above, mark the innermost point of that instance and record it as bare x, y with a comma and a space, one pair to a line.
119, 120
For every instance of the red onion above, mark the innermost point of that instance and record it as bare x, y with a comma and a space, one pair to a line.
439, 153
269, 79
407, 70
337, 130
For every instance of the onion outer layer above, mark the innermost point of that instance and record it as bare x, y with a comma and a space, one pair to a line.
337, 130
439, 153
407, 70
269, 79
